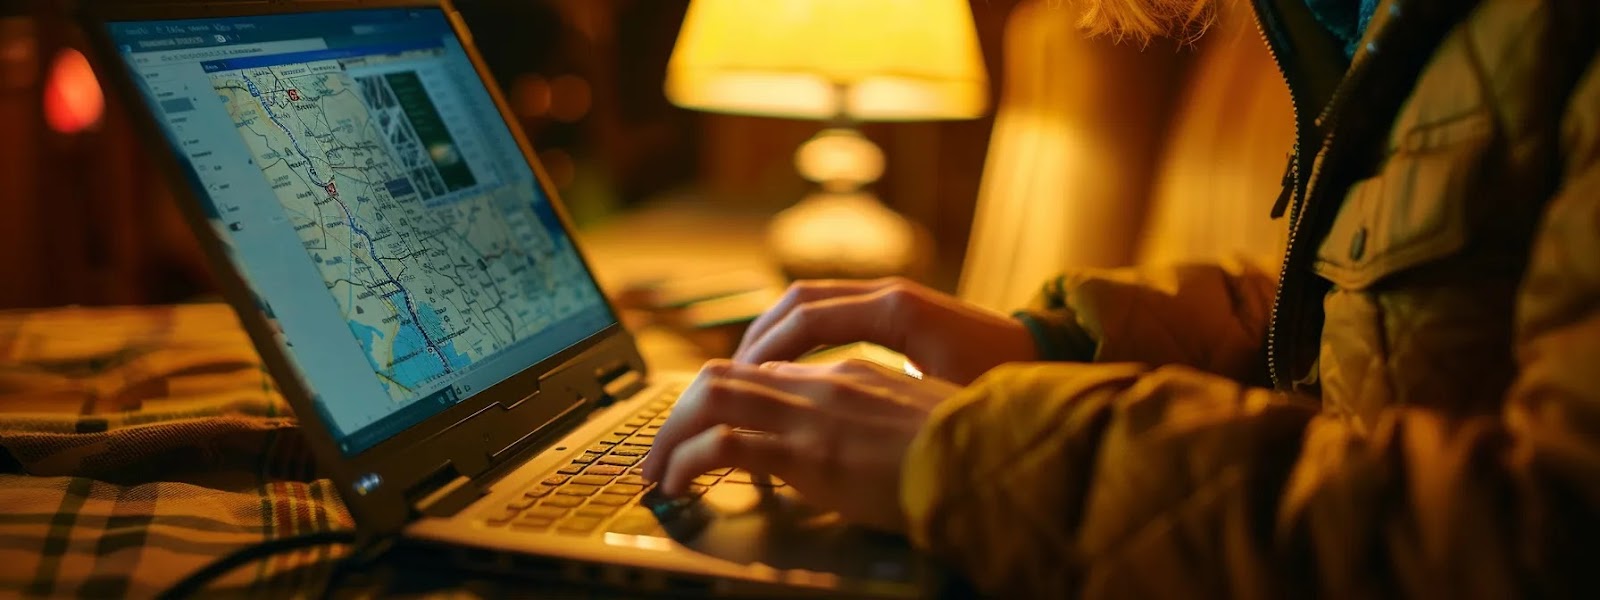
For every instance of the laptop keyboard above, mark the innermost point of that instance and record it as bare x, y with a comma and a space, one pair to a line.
602, 490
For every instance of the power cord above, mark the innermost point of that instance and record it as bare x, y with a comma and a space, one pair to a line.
197, 581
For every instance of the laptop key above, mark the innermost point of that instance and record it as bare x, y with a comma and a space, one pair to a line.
637, 512
533, 525
579, 524
633, 479
548, 512
502, 516
571, 469
561, 502
573, 489
610, 499
586, 458
555, 480
600, 448
639, 441
636, 422
720, 472
521, 503
613, 439
608, 470
629, 451
636, 525
639, 527
624, 489
589, 479
539, 490
595, 510
624, 461
705, 480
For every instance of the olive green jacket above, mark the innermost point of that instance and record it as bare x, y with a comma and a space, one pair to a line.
1412, 408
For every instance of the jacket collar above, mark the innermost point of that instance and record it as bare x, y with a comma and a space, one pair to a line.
1311, 59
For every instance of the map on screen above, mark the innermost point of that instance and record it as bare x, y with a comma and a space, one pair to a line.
365, 185
365, 169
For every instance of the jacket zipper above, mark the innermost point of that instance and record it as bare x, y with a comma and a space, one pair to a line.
1326, 125
1290, 195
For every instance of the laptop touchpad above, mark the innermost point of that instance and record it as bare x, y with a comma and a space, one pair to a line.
751, 524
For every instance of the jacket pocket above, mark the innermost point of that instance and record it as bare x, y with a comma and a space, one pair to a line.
1414, 211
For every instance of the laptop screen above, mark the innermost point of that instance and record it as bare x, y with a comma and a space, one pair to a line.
371, 195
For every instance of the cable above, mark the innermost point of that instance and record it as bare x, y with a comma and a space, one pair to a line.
197, 581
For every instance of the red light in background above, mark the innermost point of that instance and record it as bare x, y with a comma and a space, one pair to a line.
72, 99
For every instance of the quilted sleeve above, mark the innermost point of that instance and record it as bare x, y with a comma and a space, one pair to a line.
1121, 481
1061, 480
1157, 316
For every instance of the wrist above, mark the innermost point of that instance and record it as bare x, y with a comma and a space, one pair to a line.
1056, 337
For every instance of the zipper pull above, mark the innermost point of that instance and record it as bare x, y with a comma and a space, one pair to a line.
1282, 204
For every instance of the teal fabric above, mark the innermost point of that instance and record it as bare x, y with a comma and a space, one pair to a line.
1345, 19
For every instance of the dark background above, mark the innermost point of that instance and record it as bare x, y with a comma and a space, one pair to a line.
84, 218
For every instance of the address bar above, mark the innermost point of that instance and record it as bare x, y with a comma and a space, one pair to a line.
167, 57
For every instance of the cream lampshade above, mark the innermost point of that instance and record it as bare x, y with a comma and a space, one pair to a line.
842, 62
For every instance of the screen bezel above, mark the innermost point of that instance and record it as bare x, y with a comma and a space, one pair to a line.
402, 456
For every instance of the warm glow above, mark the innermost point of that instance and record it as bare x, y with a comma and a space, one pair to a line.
849, 231
72, 99
569, 98
530, 96
891, 59
840, 159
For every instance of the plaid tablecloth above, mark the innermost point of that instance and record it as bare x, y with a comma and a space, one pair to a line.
138, 444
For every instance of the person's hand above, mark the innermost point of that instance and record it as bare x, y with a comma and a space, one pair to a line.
836, 432
943, 336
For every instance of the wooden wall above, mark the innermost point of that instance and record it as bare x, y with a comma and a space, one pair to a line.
83, 219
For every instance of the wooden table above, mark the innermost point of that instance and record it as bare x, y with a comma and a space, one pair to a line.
675, 239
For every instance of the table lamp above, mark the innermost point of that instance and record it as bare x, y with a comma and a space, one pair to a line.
841, 62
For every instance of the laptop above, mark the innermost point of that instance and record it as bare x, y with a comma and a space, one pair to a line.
410, 279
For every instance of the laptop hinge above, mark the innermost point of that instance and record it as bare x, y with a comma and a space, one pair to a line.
444, 492
617, 381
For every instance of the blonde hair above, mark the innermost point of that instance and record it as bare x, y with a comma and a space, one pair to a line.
1140, 20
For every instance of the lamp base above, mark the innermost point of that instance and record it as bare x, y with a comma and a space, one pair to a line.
846, 235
